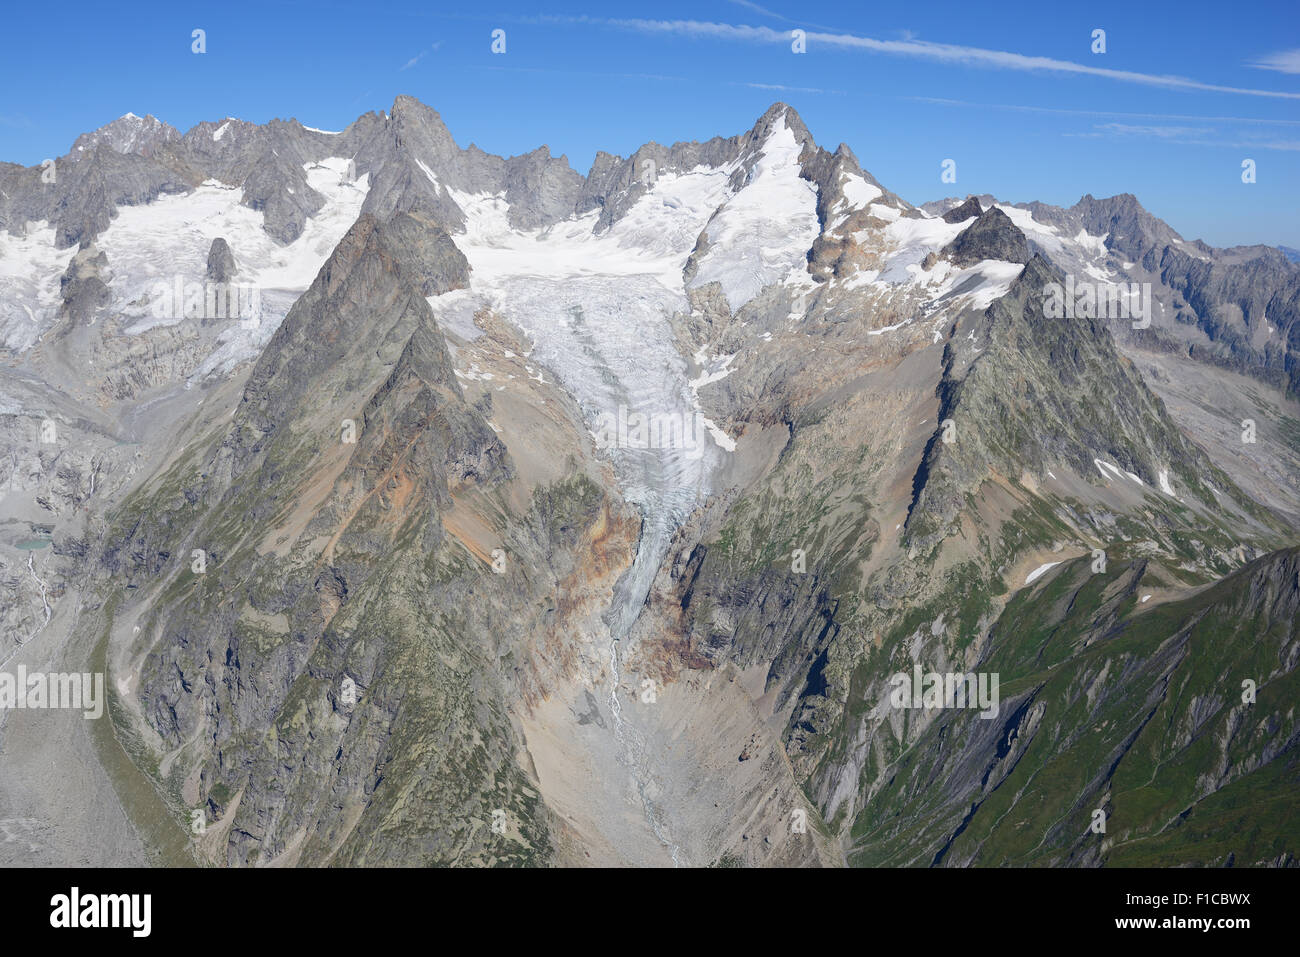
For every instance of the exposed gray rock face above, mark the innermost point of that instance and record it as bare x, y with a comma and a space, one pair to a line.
324, 328
1238, 308
992, 236
413, 161
1235, 308
833, 254
432, 261
540, 189
221, 261
614, 184
1129, 229
132, 161
144, 136
277, 188
965, 211
334, 562
227, 149
84, 286
362, 344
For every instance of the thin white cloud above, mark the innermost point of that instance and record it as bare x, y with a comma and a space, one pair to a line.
1188, 136
1163, 132
750, 5
1288, 61
943, 101
765, 12
546, 69
782, 88
922, 49
419, 56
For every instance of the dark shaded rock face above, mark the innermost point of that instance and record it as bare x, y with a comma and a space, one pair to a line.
1129, 229
430, 258
959, 214
278, 189
992, 236
221, 261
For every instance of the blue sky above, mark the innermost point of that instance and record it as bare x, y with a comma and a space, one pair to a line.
1011, 91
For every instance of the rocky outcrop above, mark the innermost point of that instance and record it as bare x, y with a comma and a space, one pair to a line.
84, 286
142, 135
992, 236
86, 194
964, 211
430, 258
221, 261
277, 188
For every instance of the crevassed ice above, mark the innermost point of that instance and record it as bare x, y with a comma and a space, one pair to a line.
30, 269
597, 308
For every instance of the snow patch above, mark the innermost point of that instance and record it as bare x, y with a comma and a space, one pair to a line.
1038, 572
859, 192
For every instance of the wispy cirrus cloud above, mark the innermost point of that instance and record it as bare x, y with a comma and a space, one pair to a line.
750, 5
782, 88
922, 49
1288, 61
419, 56
1162, 132
1188, 136
563, 72
1021, 108
772, 14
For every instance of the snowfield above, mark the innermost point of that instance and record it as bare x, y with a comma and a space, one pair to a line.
761, 234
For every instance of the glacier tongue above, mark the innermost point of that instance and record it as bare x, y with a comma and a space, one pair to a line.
597, 308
